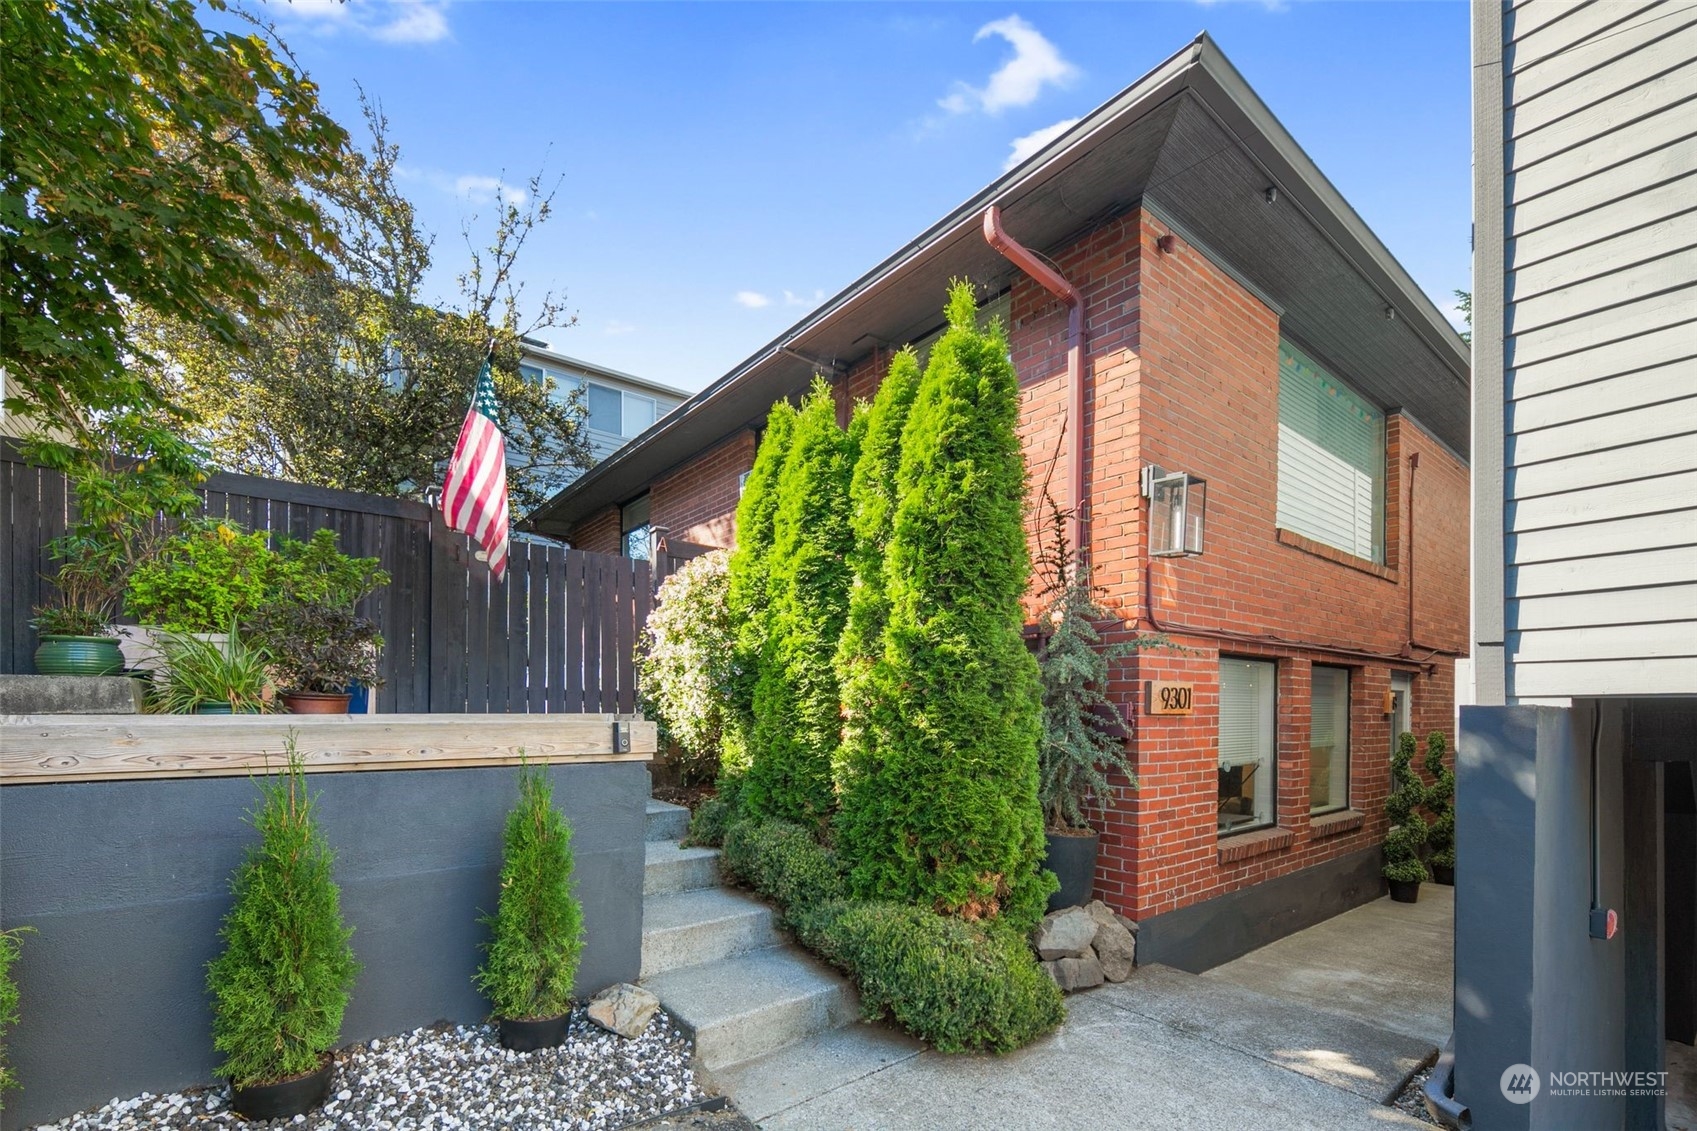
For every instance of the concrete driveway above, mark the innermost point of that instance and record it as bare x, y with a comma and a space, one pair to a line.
1316, 1030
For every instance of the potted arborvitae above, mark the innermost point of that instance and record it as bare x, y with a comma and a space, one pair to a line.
280, 986
1440, 802
1407, 835
537, 930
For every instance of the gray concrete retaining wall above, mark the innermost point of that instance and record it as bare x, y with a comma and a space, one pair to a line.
125, 884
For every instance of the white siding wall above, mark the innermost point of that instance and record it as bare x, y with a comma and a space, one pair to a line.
1598, 313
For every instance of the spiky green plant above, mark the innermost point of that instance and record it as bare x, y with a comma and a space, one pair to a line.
950, 817
1440, 802
8, 1001
797, 709
536, 937
200, 671
280, 986
1407, 834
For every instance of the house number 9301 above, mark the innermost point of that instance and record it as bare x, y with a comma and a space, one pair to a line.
1169, 698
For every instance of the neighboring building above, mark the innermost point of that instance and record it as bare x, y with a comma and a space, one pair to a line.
1244, 326
1576, 899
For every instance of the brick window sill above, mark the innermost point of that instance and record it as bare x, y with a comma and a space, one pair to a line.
1245, 845
1332, 554
1331, 824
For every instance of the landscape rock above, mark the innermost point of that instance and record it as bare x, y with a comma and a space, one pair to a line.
1075, 973
1116, 949
1065, 934
623, 1009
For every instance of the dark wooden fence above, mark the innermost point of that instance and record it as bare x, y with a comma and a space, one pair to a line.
558, 633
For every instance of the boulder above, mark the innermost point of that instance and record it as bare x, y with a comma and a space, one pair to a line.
623, 1009
1102, 913
1065, 934
1075, 973
1116, 949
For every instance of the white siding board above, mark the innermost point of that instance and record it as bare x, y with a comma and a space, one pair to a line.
1605, 677
1583, 152
1527, 44
1527, 16
1590, 330
1601, 574
1675, 343
1591, 469
1637, 426
1599, 504
1601, 294
1642, 119
1620, 535
1604, 642
1604, 254
1559, 190
1610, 394
1537, 73
1616, 79
1629, 606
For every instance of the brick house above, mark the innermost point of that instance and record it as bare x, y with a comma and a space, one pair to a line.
1242, 325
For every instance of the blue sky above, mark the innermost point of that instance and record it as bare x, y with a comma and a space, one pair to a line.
727, 166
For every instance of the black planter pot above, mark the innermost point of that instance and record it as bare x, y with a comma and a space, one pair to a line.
286, 1098
528, 1036
1073, 860
1444, 874
1405, 891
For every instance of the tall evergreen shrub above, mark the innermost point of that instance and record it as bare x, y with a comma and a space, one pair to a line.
532, 954
1440, 802
952, 820
797, 709
872, 504
281, 984
1407, 834
745, 597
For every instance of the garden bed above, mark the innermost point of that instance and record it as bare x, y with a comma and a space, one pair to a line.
457, 1077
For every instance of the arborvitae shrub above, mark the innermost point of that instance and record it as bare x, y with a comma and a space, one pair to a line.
952, 821
1407, 834
745, 595
797, 710
8, 1002
872, 503
281, 984
1440, 802
537, 930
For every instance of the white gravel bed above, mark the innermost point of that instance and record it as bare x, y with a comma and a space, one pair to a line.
456, 1077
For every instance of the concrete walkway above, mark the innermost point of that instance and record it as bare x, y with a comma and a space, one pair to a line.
1260, 1042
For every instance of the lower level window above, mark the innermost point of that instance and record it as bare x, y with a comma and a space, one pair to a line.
1247, 744
1328, 741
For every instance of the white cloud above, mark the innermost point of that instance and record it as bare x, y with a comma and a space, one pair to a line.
1036, 63
614, 328
414, 22
480, 189
754, 300
1024, 147
389, 21
793, 299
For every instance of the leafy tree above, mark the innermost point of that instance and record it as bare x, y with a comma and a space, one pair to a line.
684, 668
281, 984
1464, 303
797, 709
746, 592
355, 381
537, 927
1440, 801
954, 821
1407, 834
150, 166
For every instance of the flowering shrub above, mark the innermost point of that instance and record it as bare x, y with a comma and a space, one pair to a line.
685, 660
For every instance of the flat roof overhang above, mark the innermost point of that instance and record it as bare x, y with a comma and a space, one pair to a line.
1193, 142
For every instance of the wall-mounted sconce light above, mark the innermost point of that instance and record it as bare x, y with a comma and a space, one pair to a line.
1166, 244
1177, 504
1271, 195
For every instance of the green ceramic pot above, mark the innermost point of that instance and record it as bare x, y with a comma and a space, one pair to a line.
79, 655
223, 709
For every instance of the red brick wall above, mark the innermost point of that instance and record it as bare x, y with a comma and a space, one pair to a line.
599, 533
698, 501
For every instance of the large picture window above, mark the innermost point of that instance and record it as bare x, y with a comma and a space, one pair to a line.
1247, 744
1328, 740
1331, 459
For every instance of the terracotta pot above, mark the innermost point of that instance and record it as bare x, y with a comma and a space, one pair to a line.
284, 1099
1072, 857
79, 655
1405, 891
315, 703
528, 1036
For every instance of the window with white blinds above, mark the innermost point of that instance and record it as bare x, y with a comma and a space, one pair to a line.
1331, 459
1328, 740
1247, 747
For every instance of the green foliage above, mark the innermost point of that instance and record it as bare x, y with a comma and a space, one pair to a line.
1440, 801
70, 620
204, 671
123, 191
745, 595
684, 663
964, 987
537, 929
203, 579
872, 503
316, 571
1464, 303
949, 817
797, 710
783, 862
317, 646
713, 816
280, 986
1407, 835
8, 1000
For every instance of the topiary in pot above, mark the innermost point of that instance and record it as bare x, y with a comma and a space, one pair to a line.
1407, 835
532, 954
317, 650
1440, 803
280, 986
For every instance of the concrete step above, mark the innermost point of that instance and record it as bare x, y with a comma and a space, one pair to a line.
666, 821
743, 1007
692, 927
778, 1081
672, 869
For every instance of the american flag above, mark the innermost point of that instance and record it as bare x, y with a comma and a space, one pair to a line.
474, 494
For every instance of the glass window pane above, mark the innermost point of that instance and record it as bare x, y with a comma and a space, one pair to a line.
1247, 748
639, 414
1328, 740
605, 410
638, 543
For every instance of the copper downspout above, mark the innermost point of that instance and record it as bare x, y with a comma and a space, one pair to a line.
1051, 281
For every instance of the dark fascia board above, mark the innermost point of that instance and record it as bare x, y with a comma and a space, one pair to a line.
1199, 67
